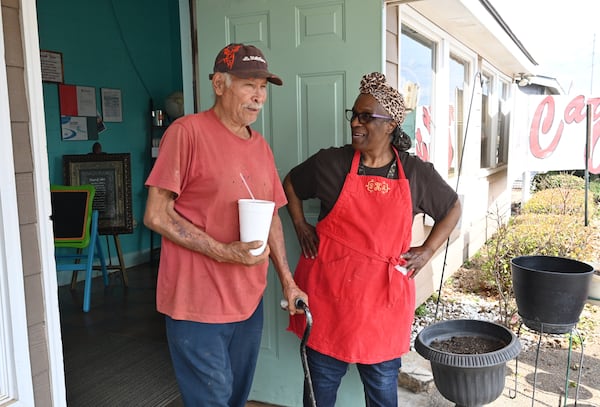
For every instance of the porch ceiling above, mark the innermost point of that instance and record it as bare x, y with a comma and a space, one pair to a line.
480, 29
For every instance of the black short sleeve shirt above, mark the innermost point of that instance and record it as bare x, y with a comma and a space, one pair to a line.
323, 174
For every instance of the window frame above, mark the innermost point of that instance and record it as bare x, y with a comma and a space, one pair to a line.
468, 59
495, 118
445, 46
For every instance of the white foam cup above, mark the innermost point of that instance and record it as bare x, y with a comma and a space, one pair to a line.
255, 221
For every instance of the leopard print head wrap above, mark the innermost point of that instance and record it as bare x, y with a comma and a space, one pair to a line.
389, 98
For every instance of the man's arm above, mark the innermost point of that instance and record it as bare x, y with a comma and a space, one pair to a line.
161, 217
278, 256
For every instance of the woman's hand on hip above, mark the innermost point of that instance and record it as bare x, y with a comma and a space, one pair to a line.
308, 239
416, 258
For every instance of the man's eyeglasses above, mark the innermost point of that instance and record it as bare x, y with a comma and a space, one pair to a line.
364, 117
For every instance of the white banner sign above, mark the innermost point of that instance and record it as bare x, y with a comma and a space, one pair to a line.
557, 131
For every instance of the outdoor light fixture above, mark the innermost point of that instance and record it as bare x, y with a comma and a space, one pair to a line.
522, 79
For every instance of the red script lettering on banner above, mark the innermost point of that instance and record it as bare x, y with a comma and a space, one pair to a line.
548, 129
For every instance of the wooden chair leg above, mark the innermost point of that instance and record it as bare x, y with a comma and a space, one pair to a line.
121, 261
74, 274
74, 280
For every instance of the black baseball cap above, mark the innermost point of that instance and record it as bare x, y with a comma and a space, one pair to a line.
244, 61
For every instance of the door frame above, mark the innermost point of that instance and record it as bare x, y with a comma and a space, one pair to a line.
43, 208
17, 382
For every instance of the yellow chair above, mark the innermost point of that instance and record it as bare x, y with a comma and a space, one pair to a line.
75, 226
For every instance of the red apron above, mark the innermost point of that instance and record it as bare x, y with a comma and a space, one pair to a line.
362, 306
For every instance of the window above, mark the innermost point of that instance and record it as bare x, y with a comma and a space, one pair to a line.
416, 84
458, 78
495, 121
503, 123
486, 121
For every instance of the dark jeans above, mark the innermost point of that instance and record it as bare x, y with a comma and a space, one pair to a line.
214, 363
380, 380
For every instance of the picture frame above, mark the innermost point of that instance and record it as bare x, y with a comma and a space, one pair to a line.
52, 66
111, 176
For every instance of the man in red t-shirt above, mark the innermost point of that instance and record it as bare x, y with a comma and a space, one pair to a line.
210, 286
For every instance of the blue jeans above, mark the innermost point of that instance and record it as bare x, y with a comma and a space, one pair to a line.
380, 380
214, 363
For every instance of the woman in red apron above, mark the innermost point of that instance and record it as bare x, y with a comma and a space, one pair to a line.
357, 265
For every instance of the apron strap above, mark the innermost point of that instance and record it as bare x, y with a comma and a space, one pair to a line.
356, 162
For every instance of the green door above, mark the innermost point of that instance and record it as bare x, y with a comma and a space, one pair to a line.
320, 49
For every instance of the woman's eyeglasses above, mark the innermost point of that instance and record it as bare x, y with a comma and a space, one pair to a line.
364, 117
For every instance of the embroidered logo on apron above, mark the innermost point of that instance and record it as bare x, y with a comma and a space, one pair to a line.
378, 186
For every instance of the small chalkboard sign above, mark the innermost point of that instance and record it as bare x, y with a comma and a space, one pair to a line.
71, 212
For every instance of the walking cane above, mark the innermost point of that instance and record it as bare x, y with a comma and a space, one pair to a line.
309, 320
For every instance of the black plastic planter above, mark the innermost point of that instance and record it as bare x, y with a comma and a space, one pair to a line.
468, 380
550, 291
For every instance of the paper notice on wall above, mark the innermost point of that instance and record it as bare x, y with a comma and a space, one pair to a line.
77, 100
78, 128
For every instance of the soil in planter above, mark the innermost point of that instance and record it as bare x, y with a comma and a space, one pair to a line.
468, 345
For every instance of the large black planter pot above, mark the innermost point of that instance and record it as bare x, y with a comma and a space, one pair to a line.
550, 291
468, 379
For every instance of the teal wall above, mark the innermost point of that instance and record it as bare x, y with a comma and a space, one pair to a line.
131, 45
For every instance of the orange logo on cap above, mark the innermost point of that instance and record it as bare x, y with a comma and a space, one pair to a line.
230, 52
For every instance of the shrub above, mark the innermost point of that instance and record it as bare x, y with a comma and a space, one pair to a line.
546, 235
595, 189
561, 201
557, 180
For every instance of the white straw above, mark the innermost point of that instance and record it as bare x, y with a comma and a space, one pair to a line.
247, 187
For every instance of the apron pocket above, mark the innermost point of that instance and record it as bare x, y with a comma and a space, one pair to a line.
331, 277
